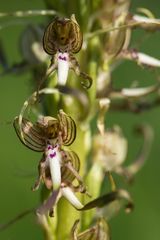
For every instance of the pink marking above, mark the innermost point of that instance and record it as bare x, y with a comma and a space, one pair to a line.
62, 58
52, 155
49, 147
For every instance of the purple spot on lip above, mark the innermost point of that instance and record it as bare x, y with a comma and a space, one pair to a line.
52, 155
50, 147
62, 58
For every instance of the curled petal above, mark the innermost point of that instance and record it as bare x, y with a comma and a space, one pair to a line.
145, 12
98, 232
74, 230
67, 124
79, 96
147, 133
87, 80
118, 39
30, 102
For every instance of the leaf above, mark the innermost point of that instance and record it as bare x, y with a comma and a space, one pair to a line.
106, 199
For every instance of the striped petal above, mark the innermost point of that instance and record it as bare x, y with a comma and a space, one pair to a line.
32, 135
67, 127
73, 158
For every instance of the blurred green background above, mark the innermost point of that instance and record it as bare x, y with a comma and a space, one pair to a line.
18, 165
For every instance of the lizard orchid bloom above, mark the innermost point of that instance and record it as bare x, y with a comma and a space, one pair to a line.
63, 38
57, 167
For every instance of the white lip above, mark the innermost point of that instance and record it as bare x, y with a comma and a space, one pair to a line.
63, 68
55, 167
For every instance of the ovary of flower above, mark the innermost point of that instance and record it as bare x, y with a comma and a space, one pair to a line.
63, 67
54, 159
71, 197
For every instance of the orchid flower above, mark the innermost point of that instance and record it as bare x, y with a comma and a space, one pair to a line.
57, 168
63, 38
